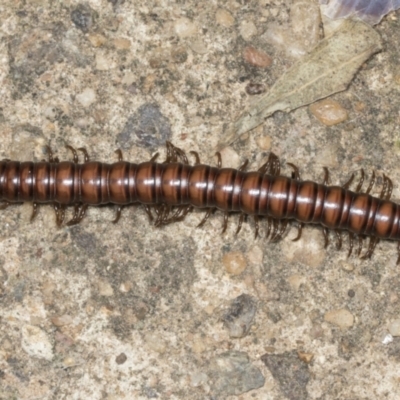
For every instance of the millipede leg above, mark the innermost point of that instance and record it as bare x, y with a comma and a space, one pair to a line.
269, 224
59, 210
351, 243
338, 240
154, 158
148, 212
295, 173
34, 210
360, 244
79, 213
371, 247
74, 153
371, 183
86, 157
205, 218
257, 226
349, 182
50, 153
387, 188
118, 152
219, 159
275, 226
225, 223
244, 165
281, 231
326, 176
196, 157
361, 181
325, 231
299, 232
117, 215
241, 218
398, 253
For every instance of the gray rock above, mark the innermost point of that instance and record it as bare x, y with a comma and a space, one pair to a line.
290, 372
232, 374
239, 316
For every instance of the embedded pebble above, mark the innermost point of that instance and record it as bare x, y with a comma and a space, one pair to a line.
36, 342
121, 358
82, 18
179, 55
105, 289
264, 142
96, 39
224, 18
256, 57
103, 63
122, 43
247, 30
394, 327
147, 127
305, 357
198, 46
329, 112
253, 89
230, 158
156, 343
238, 318
61, 320
233, 374
295, 281
87, 97
234, 262
184, 27
291, 373
341, 318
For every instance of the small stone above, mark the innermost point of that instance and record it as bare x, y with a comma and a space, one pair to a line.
341, 318
264, 142
238, 318
234, 262
122, 44
290, 372
347, 266
305, 357
295, 281
68, 362
233, 374
103, 63
224, 18
394, 327
97, 40
253, 89
184, 27
257, 58
61, 320
247, 30
230, 158
105, 289
156, 343
121, 358
82, 18
329, 112
87, 97
179, 55
36, 342
198, 46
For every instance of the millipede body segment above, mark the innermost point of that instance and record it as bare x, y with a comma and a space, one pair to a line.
174, 187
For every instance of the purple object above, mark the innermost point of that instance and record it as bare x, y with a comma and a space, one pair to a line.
370, 11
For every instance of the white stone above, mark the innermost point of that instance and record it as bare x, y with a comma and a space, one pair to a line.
341, 318
36, 342
394, 327
184, 27
247, 30
87, 97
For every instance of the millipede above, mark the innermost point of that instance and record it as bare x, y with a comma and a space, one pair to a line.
171, 189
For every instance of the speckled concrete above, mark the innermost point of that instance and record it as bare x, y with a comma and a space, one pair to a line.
103, 311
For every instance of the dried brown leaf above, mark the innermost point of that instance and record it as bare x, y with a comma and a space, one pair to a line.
328, 69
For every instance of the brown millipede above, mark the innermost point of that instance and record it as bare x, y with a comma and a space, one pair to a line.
174, 187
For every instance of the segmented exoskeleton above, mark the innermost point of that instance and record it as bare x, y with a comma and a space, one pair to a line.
172, 188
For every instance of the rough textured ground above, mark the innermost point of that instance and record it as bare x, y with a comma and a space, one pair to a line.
105, 311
